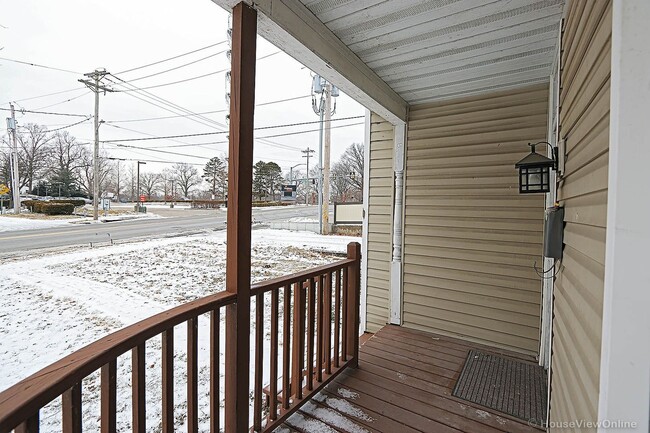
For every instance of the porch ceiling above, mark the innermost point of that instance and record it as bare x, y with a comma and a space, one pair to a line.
427, 50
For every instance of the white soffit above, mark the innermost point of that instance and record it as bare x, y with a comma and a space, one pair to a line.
429, 50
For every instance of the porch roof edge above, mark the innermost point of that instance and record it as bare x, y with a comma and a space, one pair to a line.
290, 26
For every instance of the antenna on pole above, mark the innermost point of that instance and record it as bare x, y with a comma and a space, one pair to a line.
323, 108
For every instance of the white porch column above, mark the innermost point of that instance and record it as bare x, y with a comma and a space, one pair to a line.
363, 307
398, 237
625, 354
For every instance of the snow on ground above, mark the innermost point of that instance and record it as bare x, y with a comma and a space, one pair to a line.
11, 223
57, 303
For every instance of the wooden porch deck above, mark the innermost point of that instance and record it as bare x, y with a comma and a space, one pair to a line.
404, 384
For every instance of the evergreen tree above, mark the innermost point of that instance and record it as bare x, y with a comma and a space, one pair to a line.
215, 174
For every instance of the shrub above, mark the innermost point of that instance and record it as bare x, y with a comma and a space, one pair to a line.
29, 204
50, 208
72, 201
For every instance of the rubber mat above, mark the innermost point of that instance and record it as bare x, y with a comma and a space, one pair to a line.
507, 385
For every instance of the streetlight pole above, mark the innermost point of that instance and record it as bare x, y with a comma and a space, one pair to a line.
138, 184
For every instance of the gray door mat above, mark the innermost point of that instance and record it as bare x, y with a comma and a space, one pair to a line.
507, 385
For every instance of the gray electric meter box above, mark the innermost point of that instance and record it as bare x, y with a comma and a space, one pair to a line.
553, 232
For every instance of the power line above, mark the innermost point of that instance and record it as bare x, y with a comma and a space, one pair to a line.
175, 108
226, 141
48, 113
177, 67
47, 94
63, 102
154, 137
160, 151
205, 112
68, 126
40, 66
176, 82
172, 58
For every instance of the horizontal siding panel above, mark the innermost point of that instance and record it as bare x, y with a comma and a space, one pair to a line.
513, 111
480, 305
380, 217
456, 271
461, 288
476, 255
473, 104
524, 134
588, 209
437, 321
584, 125
470, 238
481, 127
470, 234
478, 223
513, 213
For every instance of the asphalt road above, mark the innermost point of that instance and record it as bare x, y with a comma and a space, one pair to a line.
181, 221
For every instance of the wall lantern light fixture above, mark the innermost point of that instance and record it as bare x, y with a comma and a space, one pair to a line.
534, 170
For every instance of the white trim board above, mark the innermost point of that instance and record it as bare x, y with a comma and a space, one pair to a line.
363, 313
625, 352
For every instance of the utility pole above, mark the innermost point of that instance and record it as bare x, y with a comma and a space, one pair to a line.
325, 210
93, 83
307, 154
326, 91
15, 187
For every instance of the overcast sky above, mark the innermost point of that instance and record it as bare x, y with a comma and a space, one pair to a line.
81, 35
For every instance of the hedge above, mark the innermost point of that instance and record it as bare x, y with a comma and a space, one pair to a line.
50, 207
71, 201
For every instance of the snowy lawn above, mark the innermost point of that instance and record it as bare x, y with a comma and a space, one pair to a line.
55, 304
25, 222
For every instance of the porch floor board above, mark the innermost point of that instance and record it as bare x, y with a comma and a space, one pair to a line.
404, 383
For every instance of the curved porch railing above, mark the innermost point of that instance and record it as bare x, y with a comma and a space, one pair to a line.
312, 328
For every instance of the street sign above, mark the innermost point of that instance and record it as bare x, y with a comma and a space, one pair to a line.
143, 198
3, 189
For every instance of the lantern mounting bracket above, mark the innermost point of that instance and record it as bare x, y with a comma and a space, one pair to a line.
554, 151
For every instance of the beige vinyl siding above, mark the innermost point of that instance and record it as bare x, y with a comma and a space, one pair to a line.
470, 238
584, 124
380, 217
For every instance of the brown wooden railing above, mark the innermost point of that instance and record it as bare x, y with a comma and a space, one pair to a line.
317, 323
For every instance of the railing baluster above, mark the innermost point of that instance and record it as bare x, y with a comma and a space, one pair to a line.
344, 344
352, 315
311, 312
168, 381
286, 347
109, 397
337, 316
319, 330
259, 362
192, 375
139, 415
30, 425
215, 376
327, 321
71, 409
298, 338
273, 386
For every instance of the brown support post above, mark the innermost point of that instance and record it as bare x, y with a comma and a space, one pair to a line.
354, 296
238, 235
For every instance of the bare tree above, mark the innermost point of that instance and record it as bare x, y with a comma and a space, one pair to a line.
186, 176
87, 175
150, 183
34, 150
66, 161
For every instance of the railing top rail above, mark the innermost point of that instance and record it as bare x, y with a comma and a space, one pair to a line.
22, 400
275, 283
